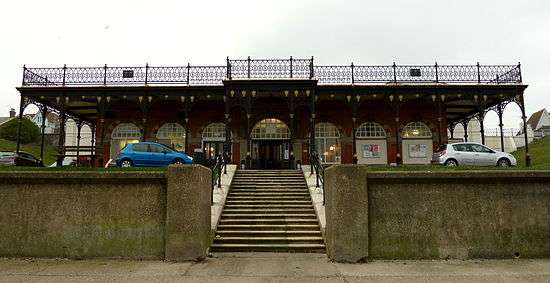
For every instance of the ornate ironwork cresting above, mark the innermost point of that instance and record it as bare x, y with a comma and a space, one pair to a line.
271, 69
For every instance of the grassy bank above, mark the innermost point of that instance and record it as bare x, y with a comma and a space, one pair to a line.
539, 151
34, 149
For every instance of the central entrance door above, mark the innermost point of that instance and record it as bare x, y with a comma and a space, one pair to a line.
270, 144
271, 154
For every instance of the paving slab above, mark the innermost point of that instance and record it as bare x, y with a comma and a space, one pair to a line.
273, 267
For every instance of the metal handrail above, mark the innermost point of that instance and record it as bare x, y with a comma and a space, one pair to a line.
319, 172
217, 175
270, 69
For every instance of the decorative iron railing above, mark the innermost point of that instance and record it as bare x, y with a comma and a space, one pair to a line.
271, 69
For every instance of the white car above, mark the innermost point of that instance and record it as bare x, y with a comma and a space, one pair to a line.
470, 153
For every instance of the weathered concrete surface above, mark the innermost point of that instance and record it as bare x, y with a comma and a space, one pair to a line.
281, 267
188, 212
82, 214
459, 215
316, 196
346, 208
220, 195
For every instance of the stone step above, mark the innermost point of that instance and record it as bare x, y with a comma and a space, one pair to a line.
268, 248
274, 215
269, 227
267, 202
271, 233
265, 194
267, 221
279, 184
274, 176
269, 171
265, 206
269, 239
273, 187
255, 177
281, 198
268, 210
261, 190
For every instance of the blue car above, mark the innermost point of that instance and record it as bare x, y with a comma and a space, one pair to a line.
150, 154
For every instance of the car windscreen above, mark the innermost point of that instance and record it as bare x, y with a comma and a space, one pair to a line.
441, 147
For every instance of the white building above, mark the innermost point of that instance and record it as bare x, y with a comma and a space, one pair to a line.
513, 138
540, 123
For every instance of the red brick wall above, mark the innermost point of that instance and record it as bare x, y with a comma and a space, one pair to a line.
334, 111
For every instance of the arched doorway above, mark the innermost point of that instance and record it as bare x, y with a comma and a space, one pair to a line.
270, 144
173, 135
371, 144
417, 144
327, 143
122, 135
213, 139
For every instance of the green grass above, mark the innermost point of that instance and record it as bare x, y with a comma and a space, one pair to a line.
539, 150
88, 169
34, 149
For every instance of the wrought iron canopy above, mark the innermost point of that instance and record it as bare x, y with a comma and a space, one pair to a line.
276, 69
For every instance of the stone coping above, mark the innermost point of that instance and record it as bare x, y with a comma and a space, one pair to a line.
482, 174
81, 175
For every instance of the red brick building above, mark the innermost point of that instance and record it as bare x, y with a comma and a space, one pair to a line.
276, 113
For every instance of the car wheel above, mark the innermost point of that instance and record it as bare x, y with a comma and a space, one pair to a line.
126, 163
178, 161
451, 163
503, 162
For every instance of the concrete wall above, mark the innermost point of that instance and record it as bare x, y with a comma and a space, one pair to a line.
413, 215
104, 214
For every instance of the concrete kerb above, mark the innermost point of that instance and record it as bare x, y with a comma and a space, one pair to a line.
316, 196
220, 195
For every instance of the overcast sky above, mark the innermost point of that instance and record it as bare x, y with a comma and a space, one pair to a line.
53, 33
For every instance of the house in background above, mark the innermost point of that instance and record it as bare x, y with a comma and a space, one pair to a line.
4, 120
52, 122
540, 123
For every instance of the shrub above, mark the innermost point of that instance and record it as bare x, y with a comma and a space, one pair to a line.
29, 131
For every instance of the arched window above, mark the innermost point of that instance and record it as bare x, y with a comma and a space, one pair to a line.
173, 135
214, 132
123, 134
370, 130
270, 129
416, 130
327, 142
213, 138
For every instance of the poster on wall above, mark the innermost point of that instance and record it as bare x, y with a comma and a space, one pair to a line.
418, 150
371, 151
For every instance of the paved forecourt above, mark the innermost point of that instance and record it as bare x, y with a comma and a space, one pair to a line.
278, 267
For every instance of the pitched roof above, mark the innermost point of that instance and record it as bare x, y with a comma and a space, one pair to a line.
533, 121
52, 117
5, 119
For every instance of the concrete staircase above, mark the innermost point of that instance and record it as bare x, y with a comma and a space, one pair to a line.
269, 211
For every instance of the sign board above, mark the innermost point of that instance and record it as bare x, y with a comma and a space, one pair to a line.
418, 150
127, 74
371, 151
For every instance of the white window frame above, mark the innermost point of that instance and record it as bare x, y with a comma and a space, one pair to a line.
262, 130
325, 133
416, 130
370, 130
